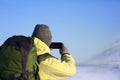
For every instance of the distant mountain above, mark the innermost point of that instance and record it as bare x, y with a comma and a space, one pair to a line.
109, 57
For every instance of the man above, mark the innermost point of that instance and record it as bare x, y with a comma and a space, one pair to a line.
50, 68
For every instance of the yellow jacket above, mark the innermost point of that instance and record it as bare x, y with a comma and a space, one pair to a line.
50, 68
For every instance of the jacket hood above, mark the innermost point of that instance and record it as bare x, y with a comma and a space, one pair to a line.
40, 46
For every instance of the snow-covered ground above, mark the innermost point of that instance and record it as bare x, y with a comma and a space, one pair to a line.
96, 73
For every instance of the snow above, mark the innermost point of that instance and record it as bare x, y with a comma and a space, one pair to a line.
104, 66
95, 73
109, 57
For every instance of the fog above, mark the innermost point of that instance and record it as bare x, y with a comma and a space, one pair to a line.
96, 73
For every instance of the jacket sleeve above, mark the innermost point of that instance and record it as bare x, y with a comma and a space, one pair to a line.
60, 68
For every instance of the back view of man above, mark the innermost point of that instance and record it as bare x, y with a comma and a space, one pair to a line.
50, 68
30, 58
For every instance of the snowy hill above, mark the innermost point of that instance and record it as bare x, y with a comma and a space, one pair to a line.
109, 57
104, 66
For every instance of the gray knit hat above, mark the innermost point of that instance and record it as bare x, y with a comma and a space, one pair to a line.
42, 32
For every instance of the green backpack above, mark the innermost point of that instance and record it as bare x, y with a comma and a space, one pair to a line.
18, 60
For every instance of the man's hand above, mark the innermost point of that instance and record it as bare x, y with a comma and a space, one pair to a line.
63, 50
